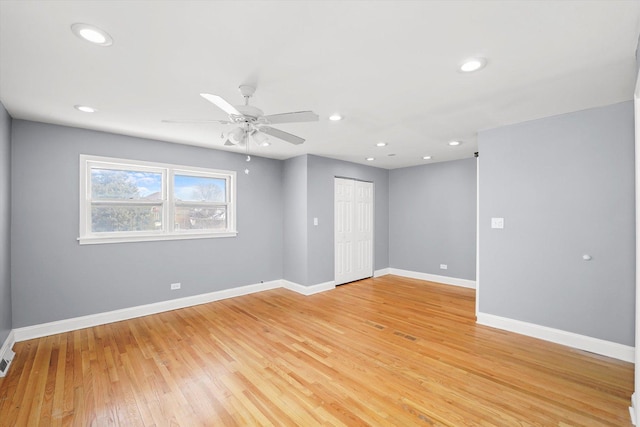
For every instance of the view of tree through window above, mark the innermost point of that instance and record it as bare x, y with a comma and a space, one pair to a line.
199, 189
123, 218
196, 202
124, 184
114, 186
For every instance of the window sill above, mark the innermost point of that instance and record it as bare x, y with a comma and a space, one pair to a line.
98, 240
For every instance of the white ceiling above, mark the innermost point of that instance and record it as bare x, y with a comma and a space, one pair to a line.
389, 67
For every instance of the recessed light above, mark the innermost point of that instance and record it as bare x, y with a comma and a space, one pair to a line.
426, 157
335, 117
381, 144
473, 64
265, 144
85, 108
92, 34
370, 159
454, 143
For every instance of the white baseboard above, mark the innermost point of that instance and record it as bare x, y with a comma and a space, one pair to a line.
381, 272
66, 325
433, 278
308, 290
632, 409
6, 351
570, 339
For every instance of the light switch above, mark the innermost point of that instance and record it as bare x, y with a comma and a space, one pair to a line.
315, 221
497, 222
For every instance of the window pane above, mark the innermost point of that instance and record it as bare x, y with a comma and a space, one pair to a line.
199, 189
197, 218
125, 218
123, 184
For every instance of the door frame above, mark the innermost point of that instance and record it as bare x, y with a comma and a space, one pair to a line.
635, 408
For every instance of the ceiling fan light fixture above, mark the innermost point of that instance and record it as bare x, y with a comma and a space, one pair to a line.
260, 138
92, 34
235, 136
473, 64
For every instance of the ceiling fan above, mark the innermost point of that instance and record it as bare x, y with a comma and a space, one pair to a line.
251, 120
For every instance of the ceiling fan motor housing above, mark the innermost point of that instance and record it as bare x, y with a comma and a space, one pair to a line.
249, 112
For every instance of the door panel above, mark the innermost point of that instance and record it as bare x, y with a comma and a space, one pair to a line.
353, 230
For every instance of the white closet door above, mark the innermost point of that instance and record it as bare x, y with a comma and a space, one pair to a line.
353, 230
363, 225
344, 233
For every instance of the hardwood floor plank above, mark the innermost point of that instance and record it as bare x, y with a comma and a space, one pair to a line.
389, 351
46, 408
57, 405
36, 385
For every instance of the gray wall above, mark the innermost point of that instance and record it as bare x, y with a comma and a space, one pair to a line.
5, 225
565, 187
54, 278
294, 184
321, 174
432, 218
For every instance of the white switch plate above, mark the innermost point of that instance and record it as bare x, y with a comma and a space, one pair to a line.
497, 222
315, 221
175, 286
443, 266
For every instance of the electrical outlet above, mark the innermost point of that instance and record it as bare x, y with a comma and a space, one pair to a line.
175, 286
443, 266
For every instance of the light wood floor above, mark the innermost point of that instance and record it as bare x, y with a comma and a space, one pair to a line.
385, 351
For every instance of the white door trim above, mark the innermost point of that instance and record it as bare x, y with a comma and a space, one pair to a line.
477, 235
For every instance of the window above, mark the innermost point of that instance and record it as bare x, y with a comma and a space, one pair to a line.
130, 201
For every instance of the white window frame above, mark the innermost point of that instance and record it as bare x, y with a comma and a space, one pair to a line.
167, 201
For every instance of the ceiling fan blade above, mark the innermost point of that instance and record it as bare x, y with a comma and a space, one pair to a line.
285, 136
222, 122
221, 104
296, 117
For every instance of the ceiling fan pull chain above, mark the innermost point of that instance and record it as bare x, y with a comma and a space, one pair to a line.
246, 144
